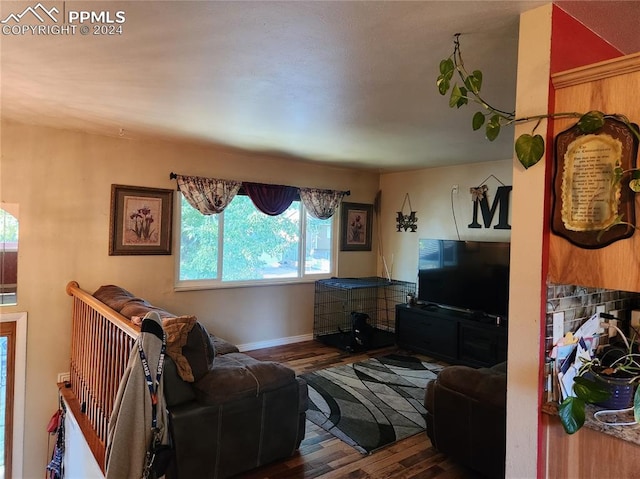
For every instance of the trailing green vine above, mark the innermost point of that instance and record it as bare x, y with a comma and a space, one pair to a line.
529, 147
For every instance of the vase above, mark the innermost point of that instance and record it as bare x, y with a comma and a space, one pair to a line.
621, 392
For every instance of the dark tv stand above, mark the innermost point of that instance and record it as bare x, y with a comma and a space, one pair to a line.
454, 336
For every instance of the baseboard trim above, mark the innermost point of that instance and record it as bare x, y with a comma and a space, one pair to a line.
274, 342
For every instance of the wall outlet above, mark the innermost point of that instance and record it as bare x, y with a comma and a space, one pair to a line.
454, 189
64, 377
622, 315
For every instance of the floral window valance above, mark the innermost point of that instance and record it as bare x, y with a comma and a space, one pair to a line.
207, 195
321, 204
211, 195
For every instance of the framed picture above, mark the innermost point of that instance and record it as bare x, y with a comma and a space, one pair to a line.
140, 220
356, 223
588, 200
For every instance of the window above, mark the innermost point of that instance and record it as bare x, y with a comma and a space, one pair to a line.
243, 245
8, 254
7, 376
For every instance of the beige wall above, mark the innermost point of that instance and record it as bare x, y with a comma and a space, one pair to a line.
527, 271
430, 194
62, 183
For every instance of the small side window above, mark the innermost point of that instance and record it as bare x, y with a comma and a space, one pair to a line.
8, 254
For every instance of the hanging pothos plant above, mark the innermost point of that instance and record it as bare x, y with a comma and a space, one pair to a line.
529, 146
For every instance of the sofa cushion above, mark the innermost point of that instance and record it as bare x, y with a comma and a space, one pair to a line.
113, 296
199, 351
138, 307
236, 375
221, 346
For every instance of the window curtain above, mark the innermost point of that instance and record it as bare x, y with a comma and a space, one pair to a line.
272, 200
207, 195
321, 204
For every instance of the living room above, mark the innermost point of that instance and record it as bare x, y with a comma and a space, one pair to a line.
61, 180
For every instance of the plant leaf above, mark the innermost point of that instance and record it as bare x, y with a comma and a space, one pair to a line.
475, 81
529, 149
571, 413
590, 391
635, 185
463, 98
636, 405
493, 128
617, 174
591, 121
447, 67
458, 97
478, 120
456, 94
443, 84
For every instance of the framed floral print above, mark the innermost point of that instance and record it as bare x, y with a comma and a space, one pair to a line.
140, 221
356, 224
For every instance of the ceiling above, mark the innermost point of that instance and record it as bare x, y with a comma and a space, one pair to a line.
350, 83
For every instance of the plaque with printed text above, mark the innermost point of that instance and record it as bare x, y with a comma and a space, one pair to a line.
588, 202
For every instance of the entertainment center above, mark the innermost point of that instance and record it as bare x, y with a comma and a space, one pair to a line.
452, 336
461, 312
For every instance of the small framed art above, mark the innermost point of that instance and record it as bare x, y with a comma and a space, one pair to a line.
140, 220
356, 224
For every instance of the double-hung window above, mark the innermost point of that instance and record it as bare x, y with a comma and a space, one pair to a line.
242, 245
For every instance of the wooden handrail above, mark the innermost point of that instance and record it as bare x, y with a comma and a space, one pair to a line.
101, 340
73, 289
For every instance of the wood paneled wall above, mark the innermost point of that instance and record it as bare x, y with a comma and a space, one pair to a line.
612, 86
588, 454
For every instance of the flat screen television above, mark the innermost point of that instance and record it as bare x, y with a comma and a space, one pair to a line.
467, 275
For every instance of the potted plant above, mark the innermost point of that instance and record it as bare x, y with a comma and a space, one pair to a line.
529, 147
608, 380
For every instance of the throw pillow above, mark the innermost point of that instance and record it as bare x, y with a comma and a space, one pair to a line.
199, 351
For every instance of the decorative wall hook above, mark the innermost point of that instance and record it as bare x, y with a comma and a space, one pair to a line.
408, 221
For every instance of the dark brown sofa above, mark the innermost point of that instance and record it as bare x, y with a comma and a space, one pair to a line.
466, 416
228, 412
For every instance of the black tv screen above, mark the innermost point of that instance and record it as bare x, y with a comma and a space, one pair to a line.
467, 275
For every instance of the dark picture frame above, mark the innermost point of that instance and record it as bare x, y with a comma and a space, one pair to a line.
141, 220
588, 175
355, 226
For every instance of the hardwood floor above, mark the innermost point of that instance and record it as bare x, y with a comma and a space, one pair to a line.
322, 455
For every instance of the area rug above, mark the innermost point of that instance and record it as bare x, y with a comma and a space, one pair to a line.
373, 403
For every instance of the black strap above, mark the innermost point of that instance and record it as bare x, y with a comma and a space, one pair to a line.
153, 388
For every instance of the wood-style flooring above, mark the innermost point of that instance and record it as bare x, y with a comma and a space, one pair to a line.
322, 455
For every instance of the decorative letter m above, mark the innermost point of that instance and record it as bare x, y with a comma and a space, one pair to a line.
500, 202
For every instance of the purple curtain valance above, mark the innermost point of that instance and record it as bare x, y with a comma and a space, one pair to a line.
272, 200
212, 195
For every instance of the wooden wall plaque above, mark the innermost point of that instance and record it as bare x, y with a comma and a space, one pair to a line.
587, 201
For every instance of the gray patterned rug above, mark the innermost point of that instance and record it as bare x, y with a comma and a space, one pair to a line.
373, 403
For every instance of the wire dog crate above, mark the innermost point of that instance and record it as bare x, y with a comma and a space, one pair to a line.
337, 298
